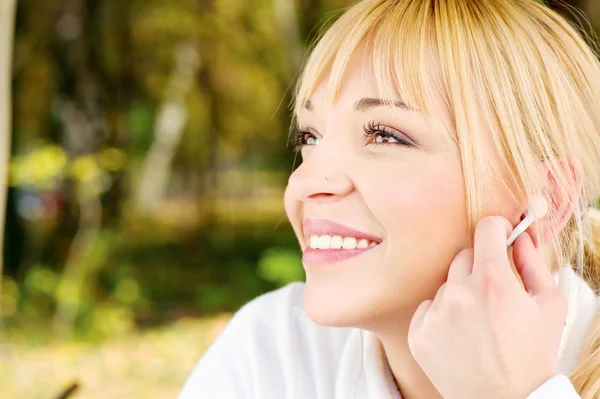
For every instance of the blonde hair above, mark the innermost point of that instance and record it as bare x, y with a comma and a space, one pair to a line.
513, 68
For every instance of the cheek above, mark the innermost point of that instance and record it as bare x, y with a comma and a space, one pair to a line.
424, 218
431, 200
293, 210
289, 203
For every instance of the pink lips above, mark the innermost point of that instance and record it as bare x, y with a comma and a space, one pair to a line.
327, 256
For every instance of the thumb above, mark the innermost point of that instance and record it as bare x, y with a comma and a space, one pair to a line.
530, 265
419, 315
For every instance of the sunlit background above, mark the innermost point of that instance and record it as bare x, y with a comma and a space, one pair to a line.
149, 157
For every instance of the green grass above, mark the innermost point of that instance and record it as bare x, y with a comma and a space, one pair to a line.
153, 364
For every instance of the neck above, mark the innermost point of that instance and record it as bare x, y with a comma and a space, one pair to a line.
410, 378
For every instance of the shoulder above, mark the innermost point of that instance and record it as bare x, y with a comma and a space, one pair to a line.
576, 289
269, 349
583, 309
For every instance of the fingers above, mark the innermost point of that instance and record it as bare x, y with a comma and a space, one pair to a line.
418, 317
462, 266
439, 297
530, 264
490, 253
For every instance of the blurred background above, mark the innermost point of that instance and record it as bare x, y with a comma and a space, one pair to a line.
149, 154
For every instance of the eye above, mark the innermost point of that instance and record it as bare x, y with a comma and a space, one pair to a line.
384, 138
305, 138
377, 134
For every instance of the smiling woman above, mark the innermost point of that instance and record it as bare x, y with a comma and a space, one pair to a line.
425, 128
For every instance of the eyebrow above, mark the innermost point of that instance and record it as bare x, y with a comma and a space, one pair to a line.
365, 104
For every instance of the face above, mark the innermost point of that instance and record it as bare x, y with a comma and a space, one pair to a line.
379, 177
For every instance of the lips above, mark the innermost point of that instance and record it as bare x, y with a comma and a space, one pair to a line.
317, 257
321, 227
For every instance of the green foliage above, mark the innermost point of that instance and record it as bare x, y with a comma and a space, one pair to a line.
47, 166
281, 266
40, 280
42, 167
214, 296
10, 296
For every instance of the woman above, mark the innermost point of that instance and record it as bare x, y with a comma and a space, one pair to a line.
425, 126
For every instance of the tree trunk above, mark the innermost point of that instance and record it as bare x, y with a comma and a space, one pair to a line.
7, 26
170, 122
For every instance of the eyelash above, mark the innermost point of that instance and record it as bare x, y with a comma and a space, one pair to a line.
369, 130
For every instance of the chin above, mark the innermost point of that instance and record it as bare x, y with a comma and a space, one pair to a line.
330, 316
333, 308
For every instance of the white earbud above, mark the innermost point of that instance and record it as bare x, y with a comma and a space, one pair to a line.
537, 207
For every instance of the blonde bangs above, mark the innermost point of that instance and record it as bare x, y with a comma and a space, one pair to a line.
396, 43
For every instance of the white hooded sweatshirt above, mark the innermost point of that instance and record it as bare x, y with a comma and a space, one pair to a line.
272, 350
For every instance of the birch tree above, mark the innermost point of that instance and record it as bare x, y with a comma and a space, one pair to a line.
7, 24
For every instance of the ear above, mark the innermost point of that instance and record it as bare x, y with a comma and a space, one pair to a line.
561, 200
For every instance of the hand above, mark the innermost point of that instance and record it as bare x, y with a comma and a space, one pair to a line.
483, 336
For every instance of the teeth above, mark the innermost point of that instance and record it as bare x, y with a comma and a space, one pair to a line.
339, 242
314, 242
336, 242
324, 242
349, 243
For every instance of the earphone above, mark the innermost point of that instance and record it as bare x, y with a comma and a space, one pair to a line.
537, 207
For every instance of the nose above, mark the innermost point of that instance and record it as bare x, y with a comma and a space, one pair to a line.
320, 179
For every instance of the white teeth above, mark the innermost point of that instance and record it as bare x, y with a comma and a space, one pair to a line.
314, 242
349, 243
336, 242
339, 242
324, 242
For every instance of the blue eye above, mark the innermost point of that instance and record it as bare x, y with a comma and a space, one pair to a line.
305, 138
312, 140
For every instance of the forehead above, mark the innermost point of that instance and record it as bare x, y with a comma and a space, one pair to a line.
358, 82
